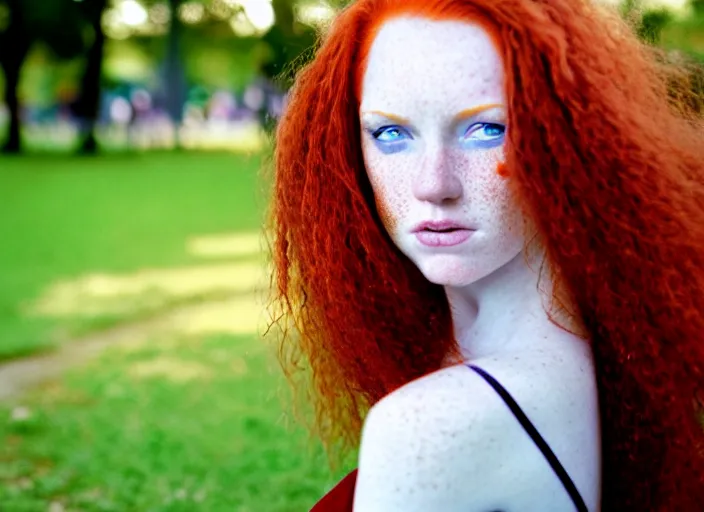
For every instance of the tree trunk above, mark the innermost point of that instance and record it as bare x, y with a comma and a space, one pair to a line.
15, 47
175, 85
89, 103
13, 143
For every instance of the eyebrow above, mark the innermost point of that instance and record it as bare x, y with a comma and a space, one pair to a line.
457, 118
471, 112
390, 117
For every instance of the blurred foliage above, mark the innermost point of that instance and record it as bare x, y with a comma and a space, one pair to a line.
652, 24
49, 50
208, 52
681, 31
288, 40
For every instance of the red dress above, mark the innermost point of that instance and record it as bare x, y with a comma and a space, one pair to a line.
340, 498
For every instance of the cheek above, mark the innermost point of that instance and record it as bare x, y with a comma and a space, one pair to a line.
488, 187
484, 177
389, 179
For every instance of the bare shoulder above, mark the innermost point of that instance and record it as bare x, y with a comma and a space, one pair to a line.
448, 442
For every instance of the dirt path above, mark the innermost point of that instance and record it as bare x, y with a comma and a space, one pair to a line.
242, 313
239, 316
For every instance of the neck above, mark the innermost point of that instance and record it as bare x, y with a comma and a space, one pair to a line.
501, 311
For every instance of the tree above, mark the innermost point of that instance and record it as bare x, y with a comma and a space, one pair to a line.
88, 104
15, 43
288, 40
55, 22
174, 74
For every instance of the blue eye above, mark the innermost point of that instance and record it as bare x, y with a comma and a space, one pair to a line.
485, 132
391, 134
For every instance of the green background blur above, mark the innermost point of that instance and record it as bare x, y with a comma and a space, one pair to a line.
135, 134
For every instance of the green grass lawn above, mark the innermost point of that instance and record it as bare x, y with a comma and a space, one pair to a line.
61, 216
172, 423
108, 439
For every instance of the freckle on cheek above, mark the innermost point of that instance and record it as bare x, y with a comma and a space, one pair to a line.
502, 170
385, 215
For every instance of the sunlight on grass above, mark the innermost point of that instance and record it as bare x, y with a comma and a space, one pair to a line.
172, 369
64, 217
229, 245
223, 297
96, 294
241, 315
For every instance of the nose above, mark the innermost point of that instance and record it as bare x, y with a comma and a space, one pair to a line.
437, 181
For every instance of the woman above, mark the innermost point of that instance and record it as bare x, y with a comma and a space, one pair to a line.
489, 229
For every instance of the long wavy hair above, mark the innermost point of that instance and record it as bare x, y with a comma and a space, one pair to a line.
605, 165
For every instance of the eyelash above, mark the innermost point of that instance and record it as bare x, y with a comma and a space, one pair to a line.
385, 129
480, 126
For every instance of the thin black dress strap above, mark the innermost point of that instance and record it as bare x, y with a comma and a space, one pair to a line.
536, 437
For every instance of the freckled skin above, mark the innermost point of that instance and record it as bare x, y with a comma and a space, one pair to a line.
434, 177
457, 445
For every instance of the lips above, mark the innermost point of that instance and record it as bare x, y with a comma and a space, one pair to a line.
442, 233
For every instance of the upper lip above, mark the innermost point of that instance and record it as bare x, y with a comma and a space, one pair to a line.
439, 225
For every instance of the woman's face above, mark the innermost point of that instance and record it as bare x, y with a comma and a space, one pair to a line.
433, 122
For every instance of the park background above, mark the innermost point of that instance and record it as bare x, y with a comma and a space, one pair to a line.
135, 135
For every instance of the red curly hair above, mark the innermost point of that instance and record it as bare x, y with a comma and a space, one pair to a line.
605, 166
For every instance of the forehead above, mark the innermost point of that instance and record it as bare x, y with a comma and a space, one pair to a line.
452, 64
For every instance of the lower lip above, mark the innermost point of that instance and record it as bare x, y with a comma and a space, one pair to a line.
443, 239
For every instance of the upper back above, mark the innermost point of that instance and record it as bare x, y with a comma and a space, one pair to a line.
449, 442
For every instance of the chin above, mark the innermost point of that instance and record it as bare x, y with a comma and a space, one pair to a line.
451, 270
